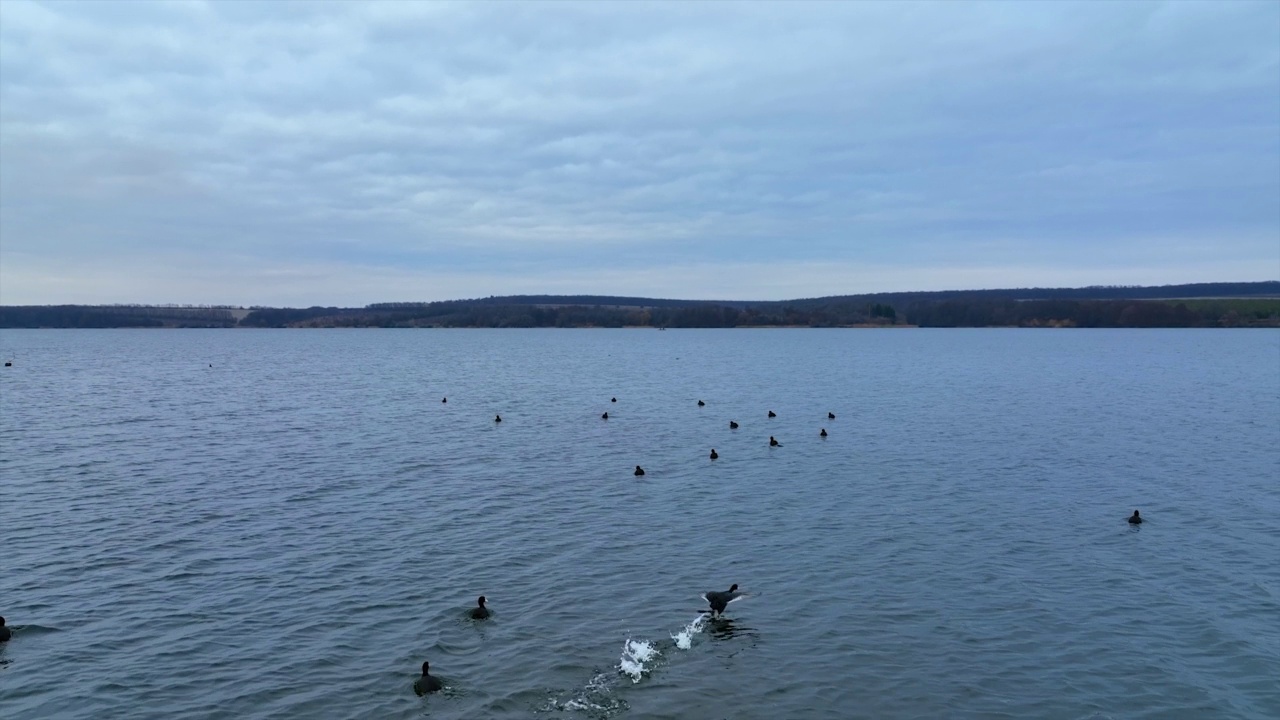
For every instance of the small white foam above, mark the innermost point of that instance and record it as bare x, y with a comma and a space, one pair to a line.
596, 697
684, 638
635, 654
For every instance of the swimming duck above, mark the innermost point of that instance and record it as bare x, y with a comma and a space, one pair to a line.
772, 442
773, 414
733, 425
714, 454
639, 471
497, 418
427, 683
604, 416
1134, 519
823, 433
831, 416
479, 612
701, 404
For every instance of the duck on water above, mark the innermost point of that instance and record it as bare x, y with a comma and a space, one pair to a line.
428, 683
720, 599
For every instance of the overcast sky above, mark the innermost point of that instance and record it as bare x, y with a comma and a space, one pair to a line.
347, 153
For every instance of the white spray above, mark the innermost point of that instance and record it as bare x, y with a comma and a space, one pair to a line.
684, 638
635, 655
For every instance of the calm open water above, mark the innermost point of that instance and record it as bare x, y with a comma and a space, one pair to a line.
291, 532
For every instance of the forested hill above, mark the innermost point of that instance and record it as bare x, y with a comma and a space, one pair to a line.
1270, 289
1095, 292
1199, 305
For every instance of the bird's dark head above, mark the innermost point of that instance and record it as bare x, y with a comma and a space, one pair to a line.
1, 622
425, 667
733, 587
481, 601
1135, 513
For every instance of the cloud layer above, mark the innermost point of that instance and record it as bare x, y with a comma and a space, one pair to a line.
348, 153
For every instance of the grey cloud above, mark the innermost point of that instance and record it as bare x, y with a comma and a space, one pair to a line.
577, 137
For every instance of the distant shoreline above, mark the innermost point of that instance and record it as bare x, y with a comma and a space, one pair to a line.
1252, 304
900, 327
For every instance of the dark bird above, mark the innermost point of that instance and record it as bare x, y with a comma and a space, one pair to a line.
5, 634
720, 600
823, 433
831, 416
497, 418
772, 442
444, 400
613, 399
714, 454
773, 414
479, 612
427, 683
700, 403
733, 425
639, 471
210, 364
604, 416
1134, 519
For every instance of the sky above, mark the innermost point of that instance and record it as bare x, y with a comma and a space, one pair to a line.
297, 154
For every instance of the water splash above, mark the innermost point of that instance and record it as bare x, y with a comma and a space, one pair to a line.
684, 638
596, 699
635, 655
639, 657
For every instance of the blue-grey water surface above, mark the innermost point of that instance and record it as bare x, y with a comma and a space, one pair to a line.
291, 532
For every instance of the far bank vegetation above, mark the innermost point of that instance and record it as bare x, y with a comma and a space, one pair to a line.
1181, 306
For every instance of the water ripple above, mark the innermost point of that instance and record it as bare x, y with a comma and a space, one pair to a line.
290, 533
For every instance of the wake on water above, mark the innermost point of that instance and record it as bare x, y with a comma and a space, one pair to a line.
639, 658
636, 654
684, 638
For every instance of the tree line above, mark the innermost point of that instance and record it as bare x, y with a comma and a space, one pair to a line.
946, 313
1201, 305
114, 316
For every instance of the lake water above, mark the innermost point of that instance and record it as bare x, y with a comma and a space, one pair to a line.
285, 524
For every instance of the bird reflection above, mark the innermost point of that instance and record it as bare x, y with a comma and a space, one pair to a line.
722, 628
